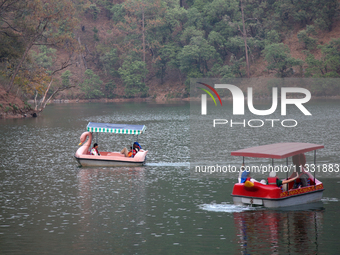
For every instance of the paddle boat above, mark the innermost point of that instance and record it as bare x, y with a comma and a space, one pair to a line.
84, 157
300, 188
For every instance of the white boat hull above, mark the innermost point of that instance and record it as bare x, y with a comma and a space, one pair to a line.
107, 163
304, 198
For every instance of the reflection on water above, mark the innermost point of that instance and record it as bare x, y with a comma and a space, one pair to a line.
112, 201
292, 230
275, 232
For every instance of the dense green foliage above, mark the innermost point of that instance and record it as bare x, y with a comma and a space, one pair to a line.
329, 64
133, 73
204, 39
45, 57
65, 78
91, 85
278, 58
157, 38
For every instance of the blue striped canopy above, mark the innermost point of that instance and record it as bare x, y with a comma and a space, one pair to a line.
116, 128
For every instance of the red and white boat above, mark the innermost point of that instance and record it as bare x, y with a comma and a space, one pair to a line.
272, 196
113, 158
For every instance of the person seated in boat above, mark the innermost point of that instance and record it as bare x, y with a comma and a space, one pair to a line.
245, 176
302, 181
136, 148
274, 180
299, 161
94, 150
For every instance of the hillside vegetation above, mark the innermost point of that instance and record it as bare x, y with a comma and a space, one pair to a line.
92, 49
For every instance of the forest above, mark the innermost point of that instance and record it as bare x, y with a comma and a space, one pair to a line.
90, 49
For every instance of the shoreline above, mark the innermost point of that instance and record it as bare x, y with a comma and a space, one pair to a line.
31, 113
162, 101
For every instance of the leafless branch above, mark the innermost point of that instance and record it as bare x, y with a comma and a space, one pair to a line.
61, 68
9, 25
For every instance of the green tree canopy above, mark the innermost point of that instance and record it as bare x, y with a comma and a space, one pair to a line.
133, 73
91, 85
278, 58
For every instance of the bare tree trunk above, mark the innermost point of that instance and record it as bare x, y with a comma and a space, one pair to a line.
87, 49
53, 94
35, 101
48, 88
82, 56
84, 60
143, 34
245, 41
143, 31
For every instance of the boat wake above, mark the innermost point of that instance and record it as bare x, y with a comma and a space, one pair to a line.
329, 199
229, 208
168, 164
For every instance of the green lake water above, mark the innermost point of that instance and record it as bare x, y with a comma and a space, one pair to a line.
50, 205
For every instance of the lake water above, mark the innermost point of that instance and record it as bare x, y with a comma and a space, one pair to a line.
49, 205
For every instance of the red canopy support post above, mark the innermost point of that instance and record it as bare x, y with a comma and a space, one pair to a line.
314, 167
287, 177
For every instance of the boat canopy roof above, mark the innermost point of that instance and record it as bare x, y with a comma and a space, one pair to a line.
277, 150
116, 128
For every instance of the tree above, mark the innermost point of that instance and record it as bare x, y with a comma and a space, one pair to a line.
133, 74
167, 57
219, 42
305, 12
94, 10
109, 89
244, 35
328, 66
11, 45
278, 58
272, 37
65, 84
91, 85
140, 17
234, 69
39, 26
305, 39
195, 57
195, 18
65, 78
174, 19
45, 57
109, 61
10, 11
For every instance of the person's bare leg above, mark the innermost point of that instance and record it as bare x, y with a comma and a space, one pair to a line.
125, 152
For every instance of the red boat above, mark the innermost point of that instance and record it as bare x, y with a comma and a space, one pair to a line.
302, 189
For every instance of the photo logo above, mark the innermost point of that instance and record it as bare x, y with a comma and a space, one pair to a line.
238, 99
204, 98
284, 96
